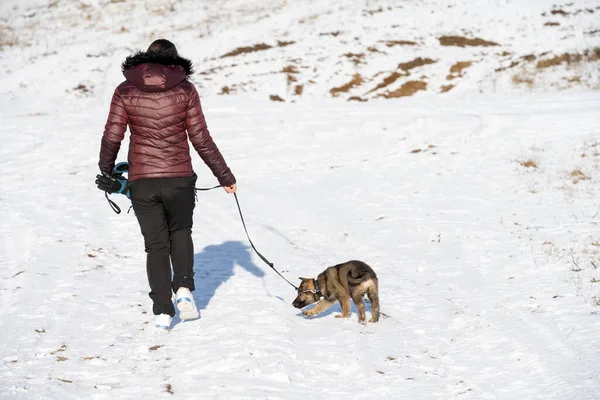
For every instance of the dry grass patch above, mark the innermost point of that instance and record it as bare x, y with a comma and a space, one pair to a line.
522, 78
461, 41
568, 58
291, 79
392, 43
356, 98
334, 34
255, 48
7, 38
456, 71
417, 62
275, 97
406, 90
355, 58
550, 23
298, 89
577, 176
446, 88
529, 163
460, 66
357, 80
247, 49
512, 65
387, 81
559, 12
290, 69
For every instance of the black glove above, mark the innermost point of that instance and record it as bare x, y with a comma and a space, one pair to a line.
112, 184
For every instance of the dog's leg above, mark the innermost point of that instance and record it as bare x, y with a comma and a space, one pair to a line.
321, 306
360, 306
345, 303
373, 295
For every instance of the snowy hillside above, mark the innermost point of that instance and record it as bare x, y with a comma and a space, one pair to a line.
293, 50
477, 207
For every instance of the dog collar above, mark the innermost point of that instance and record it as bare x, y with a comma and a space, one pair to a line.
317, 288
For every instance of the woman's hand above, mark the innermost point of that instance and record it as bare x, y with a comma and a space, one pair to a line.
230, 188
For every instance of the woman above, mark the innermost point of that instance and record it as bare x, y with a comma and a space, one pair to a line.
159, 105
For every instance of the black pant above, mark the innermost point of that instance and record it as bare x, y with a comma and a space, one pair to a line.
164, 208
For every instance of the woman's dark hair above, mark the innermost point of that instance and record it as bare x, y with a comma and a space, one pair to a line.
163, 46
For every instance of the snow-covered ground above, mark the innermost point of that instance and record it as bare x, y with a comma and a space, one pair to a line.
478, 211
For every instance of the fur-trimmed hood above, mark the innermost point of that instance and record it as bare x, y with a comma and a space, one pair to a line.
142, 57
156, 72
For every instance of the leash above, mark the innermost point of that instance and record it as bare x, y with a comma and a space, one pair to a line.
263, 258
112, 204
117, 210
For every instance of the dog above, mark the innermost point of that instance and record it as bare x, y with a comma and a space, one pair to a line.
342, 282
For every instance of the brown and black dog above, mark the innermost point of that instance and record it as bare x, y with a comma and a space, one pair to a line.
350, 280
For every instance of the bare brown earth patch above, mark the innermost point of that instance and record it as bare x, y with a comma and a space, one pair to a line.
528, 163
456, 71
461, 41
298, 89
357, 80
512, 65
568, 58
255, 48
355, 58
393, 77
275, 97
392, 43
284, 43
356, 98
408, 89
334, 34
290, 69
291, 79
417, 62
247, 49
460, 66
446, 88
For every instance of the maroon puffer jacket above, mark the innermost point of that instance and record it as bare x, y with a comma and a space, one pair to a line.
159, 104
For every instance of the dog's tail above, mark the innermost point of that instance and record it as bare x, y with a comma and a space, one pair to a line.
360, 274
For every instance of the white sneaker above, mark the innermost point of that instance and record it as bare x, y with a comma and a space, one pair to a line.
162, 322
185, 304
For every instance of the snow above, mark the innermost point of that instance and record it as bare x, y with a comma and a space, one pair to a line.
487, 268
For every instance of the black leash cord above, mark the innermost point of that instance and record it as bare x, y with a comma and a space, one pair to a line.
112, 204
117, 209
270, 264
